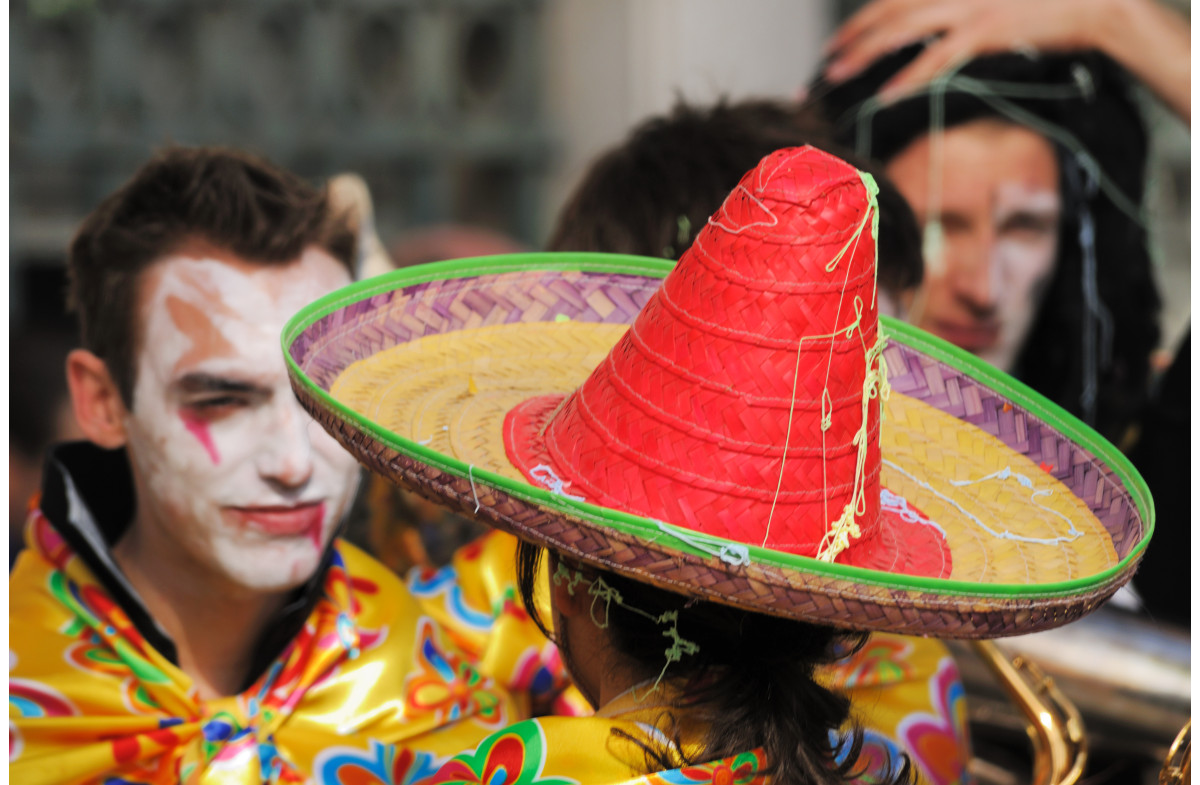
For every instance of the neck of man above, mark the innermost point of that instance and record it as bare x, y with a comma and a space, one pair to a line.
214, 624
595, 665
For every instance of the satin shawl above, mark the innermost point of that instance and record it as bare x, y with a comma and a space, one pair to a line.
371, 690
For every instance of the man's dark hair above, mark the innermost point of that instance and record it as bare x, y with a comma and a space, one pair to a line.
1086, 97
233, 200
653, 193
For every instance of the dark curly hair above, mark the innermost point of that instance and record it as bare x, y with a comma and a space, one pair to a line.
652, 194
750, 682
1101, 149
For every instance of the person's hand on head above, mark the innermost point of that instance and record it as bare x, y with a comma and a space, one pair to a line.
968, 28
1149, 40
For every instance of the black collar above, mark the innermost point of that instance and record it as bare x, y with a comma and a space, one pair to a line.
87, 496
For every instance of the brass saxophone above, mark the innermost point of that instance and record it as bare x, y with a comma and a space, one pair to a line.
1177, 770
1054, 725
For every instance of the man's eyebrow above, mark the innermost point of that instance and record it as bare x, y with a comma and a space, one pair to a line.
204, 382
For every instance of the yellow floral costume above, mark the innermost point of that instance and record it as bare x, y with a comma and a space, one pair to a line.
598, 751
370, 691
586, 751
381, 685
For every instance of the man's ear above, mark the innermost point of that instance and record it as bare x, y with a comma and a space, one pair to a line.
96, 400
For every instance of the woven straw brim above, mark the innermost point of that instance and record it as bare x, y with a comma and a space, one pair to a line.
443, 442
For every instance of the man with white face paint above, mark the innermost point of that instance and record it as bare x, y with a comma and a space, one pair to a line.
184, 611
217, 440
998, 233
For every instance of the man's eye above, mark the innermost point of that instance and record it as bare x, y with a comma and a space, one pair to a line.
1028, 225
955, 224
211, 405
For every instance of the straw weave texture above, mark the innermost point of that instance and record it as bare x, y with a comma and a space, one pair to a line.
451, 393
739, 420
793, 593
363, 327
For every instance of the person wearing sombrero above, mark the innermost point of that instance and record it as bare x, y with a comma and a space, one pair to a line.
752, 464
650, 195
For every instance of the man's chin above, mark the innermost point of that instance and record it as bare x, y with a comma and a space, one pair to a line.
275, 575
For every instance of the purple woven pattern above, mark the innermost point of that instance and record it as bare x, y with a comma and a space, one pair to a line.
1087, 476
362, 328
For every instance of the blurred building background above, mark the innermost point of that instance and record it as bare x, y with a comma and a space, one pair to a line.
479, 112
438, 104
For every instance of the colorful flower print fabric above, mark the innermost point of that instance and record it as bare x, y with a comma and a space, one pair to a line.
371, 690
906, 693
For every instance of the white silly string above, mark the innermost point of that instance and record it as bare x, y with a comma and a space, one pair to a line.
471, 477
546, 476
732, 553
898, 505
1004, 474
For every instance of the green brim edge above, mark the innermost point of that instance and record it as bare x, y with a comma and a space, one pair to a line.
650, 530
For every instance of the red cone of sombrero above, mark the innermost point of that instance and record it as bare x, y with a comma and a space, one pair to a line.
743, 403
746, 432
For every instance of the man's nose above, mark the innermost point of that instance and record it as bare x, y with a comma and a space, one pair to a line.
287, 457
973, 275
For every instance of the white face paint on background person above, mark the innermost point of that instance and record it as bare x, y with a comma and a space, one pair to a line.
999, 208
241, 481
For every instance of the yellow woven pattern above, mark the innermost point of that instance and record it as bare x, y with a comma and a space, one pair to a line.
451, 391
939, 449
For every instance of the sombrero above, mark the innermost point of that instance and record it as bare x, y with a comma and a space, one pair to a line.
740, 427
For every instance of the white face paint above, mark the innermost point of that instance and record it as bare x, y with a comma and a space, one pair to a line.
999, 208
240, 480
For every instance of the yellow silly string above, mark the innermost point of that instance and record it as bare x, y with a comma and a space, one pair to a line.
842, 529
598, 589
572, 577
875, 385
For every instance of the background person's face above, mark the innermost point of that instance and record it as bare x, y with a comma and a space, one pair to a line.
999, 209
240, 480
